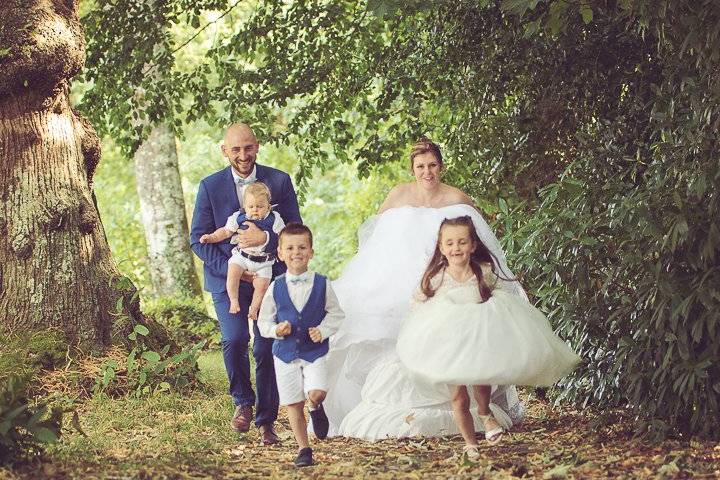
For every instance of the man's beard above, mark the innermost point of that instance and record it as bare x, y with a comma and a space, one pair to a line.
241, 166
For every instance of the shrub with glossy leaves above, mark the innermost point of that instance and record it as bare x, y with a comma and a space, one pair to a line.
24, 427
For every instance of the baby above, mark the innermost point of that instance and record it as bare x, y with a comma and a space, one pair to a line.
256, 203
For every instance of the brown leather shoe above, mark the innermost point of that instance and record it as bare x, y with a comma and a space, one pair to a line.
241, 419
269, 437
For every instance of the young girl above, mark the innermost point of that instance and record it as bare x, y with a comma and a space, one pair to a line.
464, 329
256, 203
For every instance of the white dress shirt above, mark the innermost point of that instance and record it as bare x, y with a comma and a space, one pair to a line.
299, 293
240, 186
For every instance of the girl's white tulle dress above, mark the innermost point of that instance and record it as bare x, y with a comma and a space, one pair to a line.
371, 394
453, 339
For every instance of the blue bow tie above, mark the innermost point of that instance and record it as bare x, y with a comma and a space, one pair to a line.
244, 181
296, 280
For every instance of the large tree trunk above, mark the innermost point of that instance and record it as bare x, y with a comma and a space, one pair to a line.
56, 270
162, 207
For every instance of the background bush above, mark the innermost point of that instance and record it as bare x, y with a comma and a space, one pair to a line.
27, 421
186, 320
25, 426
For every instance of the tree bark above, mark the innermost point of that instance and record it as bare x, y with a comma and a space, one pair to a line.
162, 207
56, 269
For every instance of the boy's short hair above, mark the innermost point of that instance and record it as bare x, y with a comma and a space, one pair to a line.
295, 228
257, 189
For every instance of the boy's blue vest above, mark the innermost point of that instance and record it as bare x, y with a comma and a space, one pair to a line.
298, 344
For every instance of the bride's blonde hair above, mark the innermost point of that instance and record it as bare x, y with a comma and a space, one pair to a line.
481, 255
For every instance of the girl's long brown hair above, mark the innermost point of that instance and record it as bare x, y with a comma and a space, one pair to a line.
481, 255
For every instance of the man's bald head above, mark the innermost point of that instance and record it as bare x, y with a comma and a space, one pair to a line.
240, 147
240, 131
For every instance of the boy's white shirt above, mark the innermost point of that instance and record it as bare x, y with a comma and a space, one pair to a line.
299, 293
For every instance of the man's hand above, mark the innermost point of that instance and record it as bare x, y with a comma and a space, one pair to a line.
248, 276
252, 236
283, 328
315, 334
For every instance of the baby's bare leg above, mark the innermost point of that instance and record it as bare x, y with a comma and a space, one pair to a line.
235, 273
260, 285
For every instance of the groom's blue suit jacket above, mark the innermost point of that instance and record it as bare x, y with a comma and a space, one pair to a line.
217, 200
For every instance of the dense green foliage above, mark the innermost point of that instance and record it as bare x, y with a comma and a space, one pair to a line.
27, 422
624, 246
588, 128
147, 371
132, 65
185, 319
24, 427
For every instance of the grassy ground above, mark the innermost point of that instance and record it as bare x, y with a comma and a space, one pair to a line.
177, 437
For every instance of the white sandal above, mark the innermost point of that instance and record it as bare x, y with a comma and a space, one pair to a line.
494, 435
471, 451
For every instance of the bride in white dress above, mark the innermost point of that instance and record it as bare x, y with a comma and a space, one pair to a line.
371, 395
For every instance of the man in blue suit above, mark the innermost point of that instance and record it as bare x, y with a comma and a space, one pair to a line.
219, 195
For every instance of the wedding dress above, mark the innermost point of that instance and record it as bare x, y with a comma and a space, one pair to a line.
371, 395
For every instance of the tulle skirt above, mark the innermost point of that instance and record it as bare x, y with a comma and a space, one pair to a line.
503, 341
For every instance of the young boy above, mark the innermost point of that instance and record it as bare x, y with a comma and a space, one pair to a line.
300, 311
256, 203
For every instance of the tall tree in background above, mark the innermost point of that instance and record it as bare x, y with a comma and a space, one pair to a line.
162, 208
135, 96
56, 269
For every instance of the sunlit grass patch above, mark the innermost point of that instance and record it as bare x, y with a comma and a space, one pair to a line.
156, 427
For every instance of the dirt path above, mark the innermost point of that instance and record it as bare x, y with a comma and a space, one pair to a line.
186, 436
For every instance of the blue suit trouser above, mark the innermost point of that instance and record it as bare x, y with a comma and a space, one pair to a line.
235, 336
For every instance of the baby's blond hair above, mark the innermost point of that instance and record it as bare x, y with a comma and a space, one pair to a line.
257, 189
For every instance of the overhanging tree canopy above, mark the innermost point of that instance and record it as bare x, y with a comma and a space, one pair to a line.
588, 127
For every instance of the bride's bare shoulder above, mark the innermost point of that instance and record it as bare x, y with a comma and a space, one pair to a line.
454, 195
397, 197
